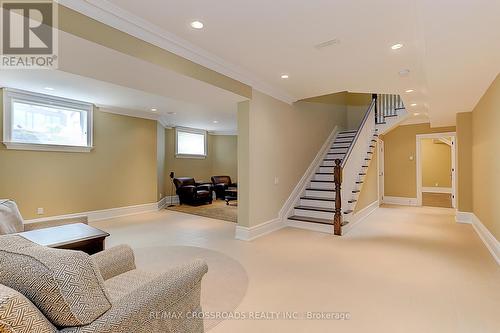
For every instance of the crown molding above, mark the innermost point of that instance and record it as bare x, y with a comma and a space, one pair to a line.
114, 16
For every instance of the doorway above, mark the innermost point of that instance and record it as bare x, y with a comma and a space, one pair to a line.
436, 170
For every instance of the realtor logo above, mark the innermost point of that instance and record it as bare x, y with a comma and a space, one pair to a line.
29, 34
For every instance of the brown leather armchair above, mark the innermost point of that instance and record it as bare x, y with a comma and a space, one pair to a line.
221, 184
192, 193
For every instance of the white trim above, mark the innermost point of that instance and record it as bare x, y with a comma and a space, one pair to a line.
10, 95
294, 197
437, 189
235, 132
251, 233
317, 227
104, 214
114, 16
403, 201
491, 243
418, 158
360, 216
192, 131
42, 147
464, 217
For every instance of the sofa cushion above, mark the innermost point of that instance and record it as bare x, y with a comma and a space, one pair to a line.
11, 220
65, 285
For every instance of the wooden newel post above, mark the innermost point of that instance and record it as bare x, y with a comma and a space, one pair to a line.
337, 178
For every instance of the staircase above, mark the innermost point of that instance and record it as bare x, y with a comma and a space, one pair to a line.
328, 201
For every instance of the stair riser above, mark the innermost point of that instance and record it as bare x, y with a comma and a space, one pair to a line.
320, 194
317, 203
323, 177
313, 213
328, 168
335, 156
338, 152
320, 185
343, 135
340, 146
344, 141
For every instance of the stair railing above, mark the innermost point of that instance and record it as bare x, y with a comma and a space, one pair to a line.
386, 105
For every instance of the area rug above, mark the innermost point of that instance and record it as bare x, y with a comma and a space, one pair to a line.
223, 287
217, 210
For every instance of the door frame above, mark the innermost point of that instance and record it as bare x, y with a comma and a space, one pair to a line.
418, 161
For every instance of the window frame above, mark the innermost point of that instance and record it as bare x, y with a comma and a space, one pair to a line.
11, 95
193, 131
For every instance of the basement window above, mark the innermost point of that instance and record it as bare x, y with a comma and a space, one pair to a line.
40, 122
190, 143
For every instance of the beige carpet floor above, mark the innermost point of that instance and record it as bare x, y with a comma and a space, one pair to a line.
217, 210
403, 269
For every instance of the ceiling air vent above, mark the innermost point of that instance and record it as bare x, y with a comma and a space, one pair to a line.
327, 44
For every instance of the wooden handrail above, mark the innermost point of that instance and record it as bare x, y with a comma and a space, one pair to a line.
365, 118
337, 179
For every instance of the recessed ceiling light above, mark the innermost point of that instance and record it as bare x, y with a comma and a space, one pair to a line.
197, 25
413, 104
416, 114
49, 88
154, 109
404, 72
284, 76
409, 90
396, 46
215, 121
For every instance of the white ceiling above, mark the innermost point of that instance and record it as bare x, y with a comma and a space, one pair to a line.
122, 84
451, 48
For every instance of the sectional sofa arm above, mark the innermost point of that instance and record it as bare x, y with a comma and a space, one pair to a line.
165, 304
55, 223
115, 261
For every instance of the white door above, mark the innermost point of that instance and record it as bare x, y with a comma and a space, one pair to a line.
380, 157
453, 173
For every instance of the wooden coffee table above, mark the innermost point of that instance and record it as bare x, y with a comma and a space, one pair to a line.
78, 236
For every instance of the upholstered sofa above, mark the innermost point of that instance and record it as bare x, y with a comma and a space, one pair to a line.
221, 184
192, 193
12, 222
45, 290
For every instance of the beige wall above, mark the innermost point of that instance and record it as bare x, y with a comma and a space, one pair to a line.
281, 141
369, 190
436, 163
221, 159
464, 162
225, 159
486, 158
355, 106
400, 171
120, 171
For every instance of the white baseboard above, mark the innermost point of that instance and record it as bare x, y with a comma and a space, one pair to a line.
404, 201
251, 233
103, 214
491, 243
360, 216
436, 189
464, 217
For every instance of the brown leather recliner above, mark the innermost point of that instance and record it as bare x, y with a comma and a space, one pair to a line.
192, 193
221, 183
